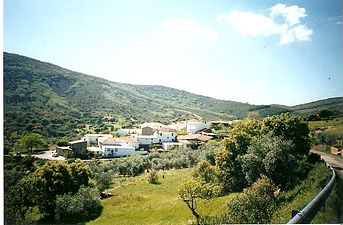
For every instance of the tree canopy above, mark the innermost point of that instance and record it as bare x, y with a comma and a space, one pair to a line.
31, 140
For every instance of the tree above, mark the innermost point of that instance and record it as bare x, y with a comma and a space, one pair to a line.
255, 205
270, 156
325, 114
292, 128
80, 173
190, 191
205, 172
103, 180
236, 144
85, 205
254, 115
37, 191
207, 176
31, 140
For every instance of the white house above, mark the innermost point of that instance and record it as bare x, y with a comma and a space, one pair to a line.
95, 150
152, 125
127, 141
165, 137
118, 151
156, 138
93, 138
122, 132
147, 139
193, 127
171, 145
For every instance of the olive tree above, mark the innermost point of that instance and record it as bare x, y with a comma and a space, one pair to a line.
31, 140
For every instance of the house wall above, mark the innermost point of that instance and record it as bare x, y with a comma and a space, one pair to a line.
128, 144
192, 128
117, 151
93, 139
79, 146
147, 140
165, 137
171, 145
156, 138
147, 131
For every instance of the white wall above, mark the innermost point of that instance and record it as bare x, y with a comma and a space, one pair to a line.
93, 138
165, 137
193, 127
128, 144
147, 140
116, 151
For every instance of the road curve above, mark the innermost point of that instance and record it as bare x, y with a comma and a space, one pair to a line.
335, 162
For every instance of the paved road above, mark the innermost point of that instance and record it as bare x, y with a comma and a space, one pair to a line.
337, 163
48, 155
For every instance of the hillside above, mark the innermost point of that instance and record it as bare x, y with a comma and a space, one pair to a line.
333, 104
56, 102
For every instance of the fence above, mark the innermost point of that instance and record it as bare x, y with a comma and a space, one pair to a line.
310, 210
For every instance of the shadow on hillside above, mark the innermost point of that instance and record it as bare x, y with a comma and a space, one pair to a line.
77, 221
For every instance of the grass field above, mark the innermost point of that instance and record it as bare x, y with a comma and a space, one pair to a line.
136, 201
333, 126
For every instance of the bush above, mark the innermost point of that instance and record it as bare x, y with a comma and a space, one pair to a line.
153, 177
85, 205
255, 205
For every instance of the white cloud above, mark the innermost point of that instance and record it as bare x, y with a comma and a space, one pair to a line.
292, 14
302, 33
254, 24
182, 29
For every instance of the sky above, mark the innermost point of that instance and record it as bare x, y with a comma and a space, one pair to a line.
259, 52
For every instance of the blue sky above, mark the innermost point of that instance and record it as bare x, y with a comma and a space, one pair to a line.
260, 52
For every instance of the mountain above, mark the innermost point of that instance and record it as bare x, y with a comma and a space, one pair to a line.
333, 104
56, 102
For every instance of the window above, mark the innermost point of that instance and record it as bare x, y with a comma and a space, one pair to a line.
116, 150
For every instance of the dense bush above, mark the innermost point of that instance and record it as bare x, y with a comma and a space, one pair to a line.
271, 156
31, 197
255, 205
138, 164
235, 162
82, 206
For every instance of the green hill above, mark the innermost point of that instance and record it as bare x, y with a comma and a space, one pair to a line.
56, 102
333, 104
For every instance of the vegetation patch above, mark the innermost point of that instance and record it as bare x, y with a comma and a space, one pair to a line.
299, 196
136, 201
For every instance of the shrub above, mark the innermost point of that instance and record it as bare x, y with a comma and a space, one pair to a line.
255, 205
83, 206
153, 177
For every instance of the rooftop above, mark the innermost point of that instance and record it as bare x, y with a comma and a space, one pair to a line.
77, 142
125, 139
194, 137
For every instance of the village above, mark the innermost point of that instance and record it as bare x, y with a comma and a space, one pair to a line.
147, 138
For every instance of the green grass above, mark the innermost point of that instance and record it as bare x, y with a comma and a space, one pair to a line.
136, 201
331, 211
334, 125
298, 197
